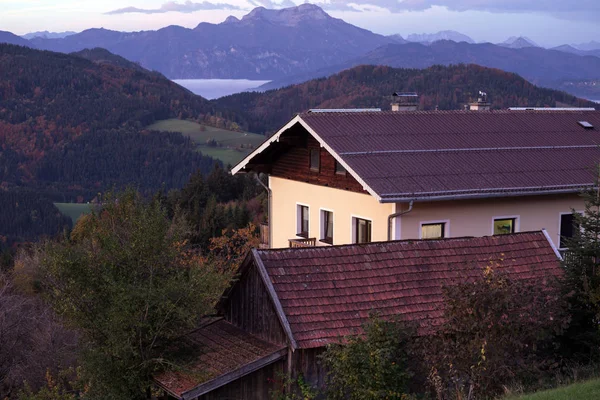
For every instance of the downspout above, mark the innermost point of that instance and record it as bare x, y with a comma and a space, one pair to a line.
395, 215
269, 207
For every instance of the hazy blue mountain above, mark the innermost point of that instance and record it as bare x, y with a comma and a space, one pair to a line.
265, 44
589, 46
544, 67
48, 35
10, 38
520, 42
442, 35
573, 50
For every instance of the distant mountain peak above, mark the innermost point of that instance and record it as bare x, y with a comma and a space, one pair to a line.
519, 42
231, 20
291, 16
441, 35
48, 35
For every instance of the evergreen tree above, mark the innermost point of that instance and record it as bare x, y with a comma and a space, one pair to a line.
582, 275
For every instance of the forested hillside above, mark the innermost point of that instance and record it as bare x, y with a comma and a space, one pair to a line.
70, 124
447, 88
71, 128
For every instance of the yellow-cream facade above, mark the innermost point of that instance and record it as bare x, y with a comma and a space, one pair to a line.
460, 217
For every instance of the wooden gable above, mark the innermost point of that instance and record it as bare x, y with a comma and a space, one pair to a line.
249, 306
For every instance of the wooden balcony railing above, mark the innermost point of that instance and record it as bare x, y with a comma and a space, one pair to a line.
309, 242
264, 236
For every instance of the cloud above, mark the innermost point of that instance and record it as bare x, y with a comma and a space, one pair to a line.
185, 7
580, 9
272, 5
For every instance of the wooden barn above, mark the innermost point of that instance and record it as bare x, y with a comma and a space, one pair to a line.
289, 304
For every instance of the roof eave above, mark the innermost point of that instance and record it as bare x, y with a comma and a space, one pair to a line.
229, 377
417, 198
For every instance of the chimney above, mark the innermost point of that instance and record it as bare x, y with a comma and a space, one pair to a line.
482, 103
405, 101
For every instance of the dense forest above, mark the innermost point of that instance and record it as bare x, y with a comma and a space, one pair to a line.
446, 88
27, 217
55, 108
71, 127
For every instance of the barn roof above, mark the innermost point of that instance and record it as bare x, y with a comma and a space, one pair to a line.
219, 353
438, 155
325, 293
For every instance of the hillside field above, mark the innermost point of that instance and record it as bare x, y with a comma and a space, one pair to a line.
232, 146
579, 391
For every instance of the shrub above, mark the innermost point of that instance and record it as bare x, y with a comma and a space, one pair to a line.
373, 366
495, 331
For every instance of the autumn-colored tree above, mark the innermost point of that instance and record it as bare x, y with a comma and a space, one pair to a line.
127, 280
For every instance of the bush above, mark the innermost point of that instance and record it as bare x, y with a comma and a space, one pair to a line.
371, 367
496, 331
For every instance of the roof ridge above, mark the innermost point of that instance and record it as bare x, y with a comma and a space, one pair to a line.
372, 244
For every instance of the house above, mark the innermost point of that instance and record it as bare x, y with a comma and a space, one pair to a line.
356, 176
288, 304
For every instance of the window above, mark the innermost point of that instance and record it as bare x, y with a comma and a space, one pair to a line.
315, 159
339, 169
302, 224
362, 230
326, 227
433, 231
504, 226
568, 225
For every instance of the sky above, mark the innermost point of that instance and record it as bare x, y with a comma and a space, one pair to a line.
547, 22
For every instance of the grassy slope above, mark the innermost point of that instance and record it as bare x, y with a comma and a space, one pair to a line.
579, 391
73, 210
230, 141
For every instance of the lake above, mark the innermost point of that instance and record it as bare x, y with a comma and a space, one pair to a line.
215, 88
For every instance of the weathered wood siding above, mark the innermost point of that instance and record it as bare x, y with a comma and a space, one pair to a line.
250, 308
255, 386
295, 165
307, 362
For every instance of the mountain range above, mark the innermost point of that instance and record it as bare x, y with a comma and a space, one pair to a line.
427, 38
296, 44
264, 44
543, 67
48, 35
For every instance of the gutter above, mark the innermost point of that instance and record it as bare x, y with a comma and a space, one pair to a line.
269, 207
396, 215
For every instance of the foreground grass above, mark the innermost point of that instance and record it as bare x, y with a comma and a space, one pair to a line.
578, 391
74, 210
230, 142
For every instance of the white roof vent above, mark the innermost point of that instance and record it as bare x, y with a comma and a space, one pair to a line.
586, 124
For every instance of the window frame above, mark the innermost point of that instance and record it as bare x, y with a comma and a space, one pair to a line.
343, 172
354, 234
445, 228
310, 159
560, 215
516, 224
299, 220
323, 238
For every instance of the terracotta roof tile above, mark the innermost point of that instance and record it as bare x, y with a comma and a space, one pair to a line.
217, 348
328, 292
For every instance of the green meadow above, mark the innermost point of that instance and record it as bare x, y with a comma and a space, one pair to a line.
230, 143
74, 210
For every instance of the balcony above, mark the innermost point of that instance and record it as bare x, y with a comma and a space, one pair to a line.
308, 242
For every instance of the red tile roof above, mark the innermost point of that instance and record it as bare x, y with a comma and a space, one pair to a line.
222, 349
329, 292
405, 156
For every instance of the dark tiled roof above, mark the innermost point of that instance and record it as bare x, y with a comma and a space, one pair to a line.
424, 155
328, 292
218, 348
